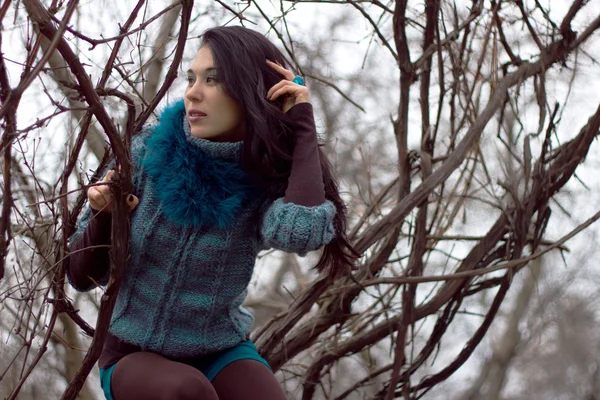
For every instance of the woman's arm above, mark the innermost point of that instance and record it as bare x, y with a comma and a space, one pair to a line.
302, 221
89, 265
305, 184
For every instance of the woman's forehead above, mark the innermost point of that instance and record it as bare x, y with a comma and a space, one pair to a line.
203, 62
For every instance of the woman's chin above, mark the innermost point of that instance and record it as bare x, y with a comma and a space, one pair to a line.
199, 133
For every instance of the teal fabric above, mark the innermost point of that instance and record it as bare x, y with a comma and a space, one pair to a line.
105, 377
183, 287
196, 189
210, 366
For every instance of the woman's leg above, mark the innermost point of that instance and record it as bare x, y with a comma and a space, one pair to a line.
149, 376
249, 380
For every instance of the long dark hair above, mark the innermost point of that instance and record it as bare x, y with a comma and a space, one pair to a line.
240, 56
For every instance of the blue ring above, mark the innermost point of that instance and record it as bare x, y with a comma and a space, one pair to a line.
299, 80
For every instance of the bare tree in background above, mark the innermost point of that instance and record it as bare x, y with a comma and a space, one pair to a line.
451, 205
44, 284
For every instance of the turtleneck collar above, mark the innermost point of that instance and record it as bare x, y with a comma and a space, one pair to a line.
231, 151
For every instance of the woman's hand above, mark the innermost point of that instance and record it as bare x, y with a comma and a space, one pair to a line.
100, 197
294, 93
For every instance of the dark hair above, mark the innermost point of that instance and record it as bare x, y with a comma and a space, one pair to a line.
240, 56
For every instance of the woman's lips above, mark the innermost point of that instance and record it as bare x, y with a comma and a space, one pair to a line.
195, 116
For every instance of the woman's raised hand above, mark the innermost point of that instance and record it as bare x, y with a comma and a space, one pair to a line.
100, 197
294, 92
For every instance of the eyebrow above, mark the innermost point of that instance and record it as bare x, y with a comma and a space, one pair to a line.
209, 69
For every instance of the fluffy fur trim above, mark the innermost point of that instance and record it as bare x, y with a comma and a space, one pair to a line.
193, 187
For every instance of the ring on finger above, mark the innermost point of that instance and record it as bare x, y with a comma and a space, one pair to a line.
299, 80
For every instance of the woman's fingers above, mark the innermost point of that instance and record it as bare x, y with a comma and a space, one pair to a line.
287, 90
108, 176
101, 201
287, 74
295, 93
100, 197
132, 201
276, 87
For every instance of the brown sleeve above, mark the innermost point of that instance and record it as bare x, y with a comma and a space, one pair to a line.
87, 265
305, 184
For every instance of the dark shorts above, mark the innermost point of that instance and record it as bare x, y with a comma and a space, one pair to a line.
210, 365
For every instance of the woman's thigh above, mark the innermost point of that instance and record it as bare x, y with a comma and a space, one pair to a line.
249, 380
150, 376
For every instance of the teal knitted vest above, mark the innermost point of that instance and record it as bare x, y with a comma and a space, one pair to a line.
194, 243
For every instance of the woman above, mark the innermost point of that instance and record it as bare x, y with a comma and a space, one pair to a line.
232, 169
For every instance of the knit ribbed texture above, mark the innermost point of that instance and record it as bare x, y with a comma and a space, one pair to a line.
221, 150
183, 286
296, 228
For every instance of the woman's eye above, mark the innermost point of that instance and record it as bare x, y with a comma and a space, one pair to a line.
209, 79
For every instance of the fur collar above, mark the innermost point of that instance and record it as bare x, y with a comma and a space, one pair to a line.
199, 182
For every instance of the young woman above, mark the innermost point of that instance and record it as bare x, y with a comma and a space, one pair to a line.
232, 169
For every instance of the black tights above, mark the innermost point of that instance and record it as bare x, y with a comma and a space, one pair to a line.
150, 376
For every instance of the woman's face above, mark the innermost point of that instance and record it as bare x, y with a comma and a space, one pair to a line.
211, 113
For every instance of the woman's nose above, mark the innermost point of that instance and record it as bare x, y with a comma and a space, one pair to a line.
195, 92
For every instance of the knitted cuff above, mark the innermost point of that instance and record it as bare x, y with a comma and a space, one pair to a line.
298, 229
